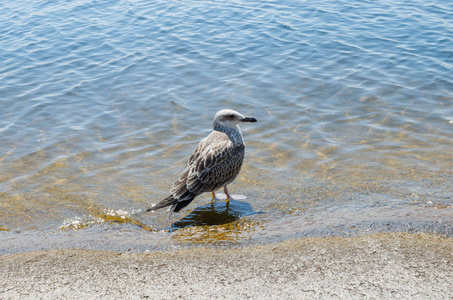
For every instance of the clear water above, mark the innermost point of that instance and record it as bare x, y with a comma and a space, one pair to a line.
102, 102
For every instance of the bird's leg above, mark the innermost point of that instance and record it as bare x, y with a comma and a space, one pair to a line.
213, 197
227, 200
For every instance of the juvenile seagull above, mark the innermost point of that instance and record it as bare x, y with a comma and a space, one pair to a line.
215, 162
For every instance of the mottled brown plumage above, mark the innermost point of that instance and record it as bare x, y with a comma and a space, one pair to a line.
215, 162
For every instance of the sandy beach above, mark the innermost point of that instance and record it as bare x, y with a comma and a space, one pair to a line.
381, 266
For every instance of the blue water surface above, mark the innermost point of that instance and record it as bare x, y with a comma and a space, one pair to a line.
102, 102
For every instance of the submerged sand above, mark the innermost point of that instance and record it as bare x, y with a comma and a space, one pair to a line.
381, 266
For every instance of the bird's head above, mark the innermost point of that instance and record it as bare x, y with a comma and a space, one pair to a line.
230, 118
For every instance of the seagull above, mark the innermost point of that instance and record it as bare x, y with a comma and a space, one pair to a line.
215, 163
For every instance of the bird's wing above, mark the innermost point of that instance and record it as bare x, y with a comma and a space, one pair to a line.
210, 152
201, 174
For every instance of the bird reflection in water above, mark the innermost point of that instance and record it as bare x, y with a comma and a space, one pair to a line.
216, 213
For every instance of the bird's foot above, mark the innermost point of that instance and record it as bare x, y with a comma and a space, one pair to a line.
225, 189
213, 198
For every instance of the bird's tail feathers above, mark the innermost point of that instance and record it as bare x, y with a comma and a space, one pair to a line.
166, 202
176, 205
181, 204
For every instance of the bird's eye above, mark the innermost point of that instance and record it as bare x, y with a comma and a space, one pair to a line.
231, 117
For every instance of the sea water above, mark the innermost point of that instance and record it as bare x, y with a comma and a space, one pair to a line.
102, 102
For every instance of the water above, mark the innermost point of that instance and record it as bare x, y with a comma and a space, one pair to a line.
102, 102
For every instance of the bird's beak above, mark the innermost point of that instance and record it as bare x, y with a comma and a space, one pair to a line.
247, 119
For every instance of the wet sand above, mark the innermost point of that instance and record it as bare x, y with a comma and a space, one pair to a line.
380, 266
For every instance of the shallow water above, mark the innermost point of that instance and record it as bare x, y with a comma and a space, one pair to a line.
102, 102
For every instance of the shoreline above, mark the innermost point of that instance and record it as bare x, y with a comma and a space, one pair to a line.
390, 265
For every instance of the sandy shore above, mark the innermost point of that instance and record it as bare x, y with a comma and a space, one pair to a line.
382, 266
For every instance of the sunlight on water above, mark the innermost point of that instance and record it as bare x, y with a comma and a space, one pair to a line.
117, 217
240, 230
